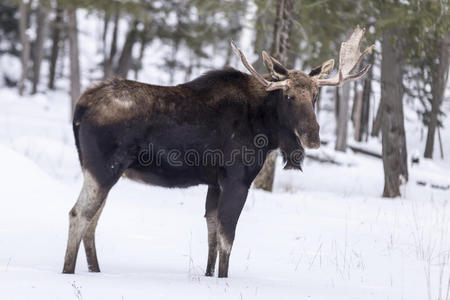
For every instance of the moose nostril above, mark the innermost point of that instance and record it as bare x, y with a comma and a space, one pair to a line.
314, 146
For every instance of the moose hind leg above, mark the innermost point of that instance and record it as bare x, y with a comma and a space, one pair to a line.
231, 203
89, 242
90, 200
212, 200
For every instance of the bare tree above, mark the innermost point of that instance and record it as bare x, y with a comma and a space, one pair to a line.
365, 110
144, 40
439, 80
38, 47
392, 124
342, 117
376, 124
24, 8
56, 38
357, 112
75, 86
109, 61
125, 59
280, 48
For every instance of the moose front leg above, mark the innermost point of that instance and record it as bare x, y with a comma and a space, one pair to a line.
231, 202
212, 200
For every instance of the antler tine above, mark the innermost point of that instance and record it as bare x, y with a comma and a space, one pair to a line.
349, 57
249, 66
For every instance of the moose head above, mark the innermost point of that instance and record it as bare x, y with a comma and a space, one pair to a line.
300, 90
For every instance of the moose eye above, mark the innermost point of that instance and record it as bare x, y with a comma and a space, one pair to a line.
289, 98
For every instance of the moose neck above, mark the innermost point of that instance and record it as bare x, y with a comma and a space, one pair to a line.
280, 135
270, 118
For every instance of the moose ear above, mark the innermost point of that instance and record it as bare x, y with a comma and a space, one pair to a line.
323, 70
276, 69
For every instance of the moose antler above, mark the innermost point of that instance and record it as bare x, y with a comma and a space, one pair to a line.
248, 65
349, 57
270, 86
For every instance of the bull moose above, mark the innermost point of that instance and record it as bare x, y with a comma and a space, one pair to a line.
132, 129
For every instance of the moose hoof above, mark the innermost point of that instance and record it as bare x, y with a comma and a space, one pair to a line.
94, 270
209, 274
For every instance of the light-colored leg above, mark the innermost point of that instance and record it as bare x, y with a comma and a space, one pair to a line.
90, 201
89, 242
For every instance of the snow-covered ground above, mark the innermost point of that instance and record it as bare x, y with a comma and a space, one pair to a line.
324, 233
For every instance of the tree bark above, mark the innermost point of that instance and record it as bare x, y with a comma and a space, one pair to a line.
376, 125
56, 37
440, 143
106, 18
235, 21
280, 50
24, 8
266, 176
365, 111
342, 118
439, 80
282, 31
392, 124
144, 39
126, 56
38, 49
357, 113
75, 86
109, 61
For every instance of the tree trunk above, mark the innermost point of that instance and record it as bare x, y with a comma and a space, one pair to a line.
74, 56
24, 9
266, 176
440, 143
235, 21
357, 112
38, 49
172, 62
144, 39
108, 65
392, 124
126, 57
280, 50
56, 37
342, 118
62, 53
189, 67
106, 18
376, 125
439, 80
367, 91
282, 31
